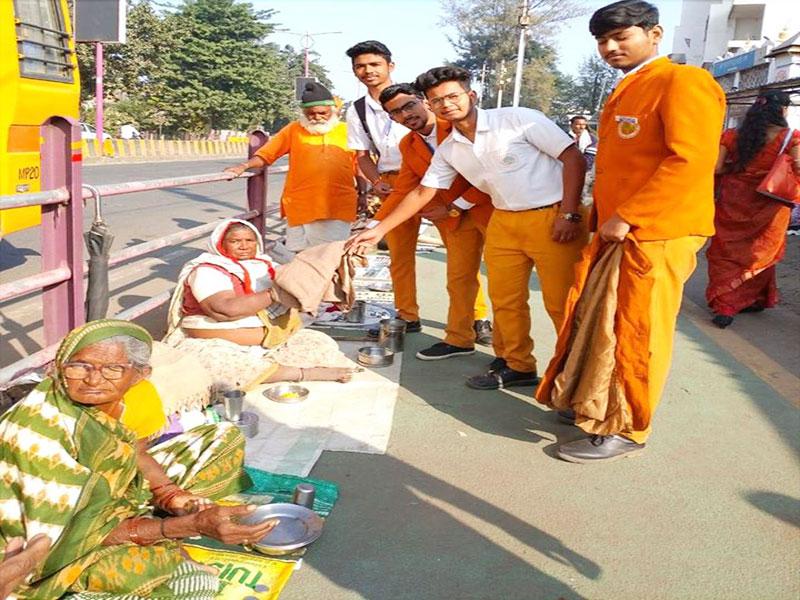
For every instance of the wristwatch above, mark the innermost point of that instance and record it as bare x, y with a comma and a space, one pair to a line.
571, 217
453, 210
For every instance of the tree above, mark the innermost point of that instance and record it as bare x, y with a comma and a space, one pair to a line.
134, 72
196, 66
487, 33
595, 82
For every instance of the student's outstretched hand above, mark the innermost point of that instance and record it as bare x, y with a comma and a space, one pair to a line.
358, 244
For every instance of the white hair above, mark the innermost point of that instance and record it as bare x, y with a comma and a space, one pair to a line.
137, 351
318, 128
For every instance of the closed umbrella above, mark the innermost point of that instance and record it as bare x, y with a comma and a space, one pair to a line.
98, 242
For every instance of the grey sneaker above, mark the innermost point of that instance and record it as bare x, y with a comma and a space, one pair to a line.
598, 448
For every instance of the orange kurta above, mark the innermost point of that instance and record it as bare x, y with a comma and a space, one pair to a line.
655, 165
320, 182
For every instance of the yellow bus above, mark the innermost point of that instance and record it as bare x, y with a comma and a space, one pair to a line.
38, 80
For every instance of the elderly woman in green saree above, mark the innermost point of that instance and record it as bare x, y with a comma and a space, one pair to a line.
71, 469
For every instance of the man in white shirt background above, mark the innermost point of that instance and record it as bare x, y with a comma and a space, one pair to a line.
534, 174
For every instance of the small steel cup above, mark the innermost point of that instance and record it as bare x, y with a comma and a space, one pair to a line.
356, 312
232, 402
304, 495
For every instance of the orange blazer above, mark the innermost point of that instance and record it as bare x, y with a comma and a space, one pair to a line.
658, 144
416, 160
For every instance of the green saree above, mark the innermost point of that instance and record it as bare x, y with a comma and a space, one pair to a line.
70, 471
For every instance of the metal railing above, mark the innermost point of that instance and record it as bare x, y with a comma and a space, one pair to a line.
63, 260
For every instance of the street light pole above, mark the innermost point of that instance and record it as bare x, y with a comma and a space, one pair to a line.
307, 40
524, 22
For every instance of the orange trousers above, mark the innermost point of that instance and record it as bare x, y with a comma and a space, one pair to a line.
515, 243
402, 241
673, 263
467, 302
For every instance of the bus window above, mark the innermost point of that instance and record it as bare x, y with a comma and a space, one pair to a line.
42, 41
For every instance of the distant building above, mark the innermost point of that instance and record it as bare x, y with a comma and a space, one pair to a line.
747, 45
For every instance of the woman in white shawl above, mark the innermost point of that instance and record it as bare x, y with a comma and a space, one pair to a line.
222, 312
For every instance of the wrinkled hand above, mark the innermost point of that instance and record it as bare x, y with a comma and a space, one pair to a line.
20, 560
382, 188
358, 244
222, 523
614, 230
235, 171
565, 231
187, 503
437, 212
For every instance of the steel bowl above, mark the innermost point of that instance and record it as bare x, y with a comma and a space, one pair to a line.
297, 528
375, 356
286, 393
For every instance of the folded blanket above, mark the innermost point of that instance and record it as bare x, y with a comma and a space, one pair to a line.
322, 273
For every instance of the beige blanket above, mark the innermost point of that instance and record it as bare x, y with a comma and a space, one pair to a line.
589, 383
318, 274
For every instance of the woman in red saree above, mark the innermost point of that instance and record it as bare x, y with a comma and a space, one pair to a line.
750, 236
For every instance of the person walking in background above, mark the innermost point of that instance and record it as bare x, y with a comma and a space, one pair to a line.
319, 196
750, 236
586, 142
653, 200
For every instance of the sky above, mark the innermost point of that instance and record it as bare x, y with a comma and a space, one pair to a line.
413, 31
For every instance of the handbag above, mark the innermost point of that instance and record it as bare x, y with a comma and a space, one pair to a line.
781, 183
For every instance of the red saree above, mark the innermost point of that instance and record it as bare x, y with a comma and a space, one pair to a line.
750, 236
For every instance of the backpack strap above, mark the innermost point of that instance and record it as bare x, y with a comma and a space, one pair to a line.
360, 107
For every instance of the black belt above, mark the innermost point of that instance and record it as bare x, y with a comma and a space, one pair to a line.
543, 207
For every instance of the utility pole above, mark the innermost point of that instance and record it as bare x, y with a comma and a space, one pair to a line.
524, 22
501, 80
98, 95
483, 85
307, 41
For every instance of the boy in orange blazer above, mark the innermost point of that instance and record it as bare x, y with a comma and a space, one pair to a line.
658, 142
461, 214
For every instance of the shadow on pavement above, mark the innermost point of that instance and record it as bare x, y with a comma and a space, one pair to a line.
781, 507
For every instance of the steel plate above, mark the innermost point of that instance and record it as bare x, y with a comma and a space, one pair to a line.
298, 527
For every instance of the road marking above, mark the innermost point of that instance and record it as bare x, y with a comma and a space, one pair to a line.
783, 381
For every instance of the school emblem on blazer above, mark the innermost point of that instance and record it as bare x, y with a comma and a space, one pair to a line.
627, 127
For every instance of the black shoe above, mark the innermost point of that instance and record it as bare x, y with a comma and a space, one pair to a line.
753, 308
566, 416
598, 448
722, 321
502, 378
442, 350
497, 364
483, 332
411, 327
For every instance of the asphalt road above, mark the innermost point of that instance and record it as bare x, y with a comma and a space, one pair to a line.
133, 219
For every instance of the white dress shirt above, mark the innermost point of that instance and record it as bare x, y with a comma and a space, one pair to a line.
386, 134
514, 159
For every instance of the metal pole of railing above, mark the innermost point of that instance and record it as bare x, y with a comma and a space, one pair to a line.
62, 228
257, 185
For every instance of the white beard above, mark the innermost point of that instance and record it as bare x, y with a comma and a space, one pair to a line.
318, 128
